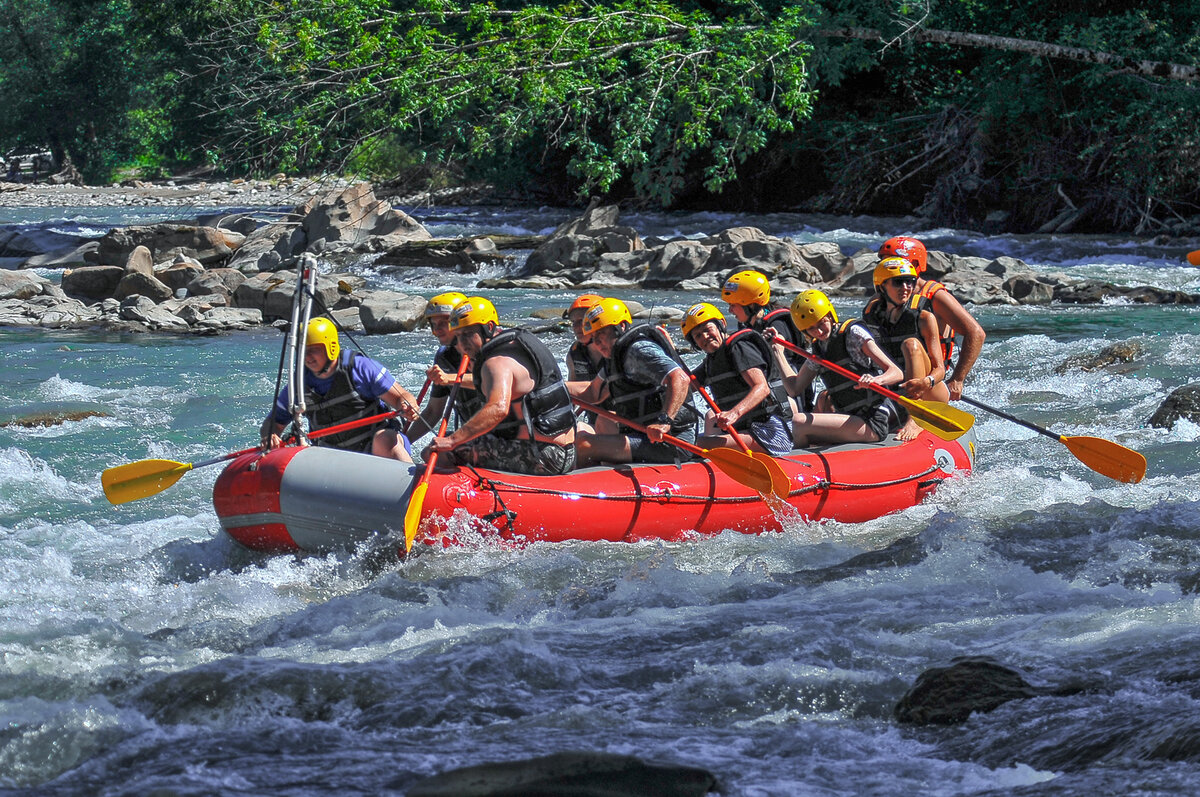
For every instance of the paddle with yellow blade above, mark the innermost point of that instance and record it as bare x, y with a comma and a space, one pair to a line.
412, 515
1103, 456
948, 423
734, 464
781, 484
147, 477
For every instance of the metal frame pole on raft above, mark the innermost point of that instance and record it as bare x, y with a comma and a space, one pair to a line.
306, 280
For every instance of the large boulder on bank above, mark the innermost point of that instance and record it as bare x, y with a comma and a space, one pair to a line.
272, 294
139, 279
22, 285
145, 311
270, 248
92, 283
1184, 402
386, 312
204, 244
85, 254
353, 218
218, 281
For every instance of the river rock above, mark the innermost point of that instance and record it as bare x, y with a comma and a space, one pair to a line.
205, 244
48, 311
219, 281
385, 312
353, 218
147, 312
139, 278
226, 319
180, 274
1097, 292
91, 283
270, 248
22, 285
949, 695
36, 241
69, 257
272, 294
1184, 402
578, 774
1120, 352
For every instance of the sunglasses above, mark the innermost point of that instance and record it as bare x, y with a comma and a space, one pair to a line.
909, 282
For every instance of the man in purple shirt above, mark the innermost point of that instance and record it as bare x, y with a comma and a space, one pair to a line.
340, 387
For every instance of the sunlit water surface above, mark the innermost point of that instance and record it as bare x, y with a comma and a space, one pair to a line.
141, 649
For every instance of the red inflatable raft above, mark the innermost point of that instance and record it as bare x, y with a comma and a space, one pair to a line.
320, 499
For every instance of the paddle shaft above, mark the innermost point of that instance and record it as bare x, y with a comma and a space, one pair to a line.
420, 398
1014, 419
612, 416
412, 515
846, 372
717, 410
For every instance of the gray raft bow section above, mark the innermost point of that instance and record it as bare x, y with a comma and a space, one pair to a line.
335, 499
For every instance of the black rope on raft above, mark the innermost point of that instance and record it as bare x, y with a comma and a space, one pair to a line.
503, 512
493, 484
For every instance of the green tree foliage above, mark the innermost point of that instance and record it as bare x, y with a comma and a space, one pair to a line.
637, 89
954, 133
80, 77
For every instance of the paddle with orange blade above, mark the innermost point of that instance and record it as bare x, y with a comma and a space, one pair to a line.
412, 516
1103, 456
781, 484
734, 464
948, 423
1194, 257
147, 477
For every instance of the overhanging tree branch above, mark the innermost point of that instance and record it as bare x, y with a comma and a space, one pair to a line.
1117, 63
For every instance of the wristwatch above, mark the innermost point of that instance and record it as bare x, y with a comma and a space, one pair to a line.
664, 418
931, 381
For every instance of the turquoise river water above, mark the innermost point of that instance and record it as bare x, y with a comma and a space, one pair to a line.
143, 652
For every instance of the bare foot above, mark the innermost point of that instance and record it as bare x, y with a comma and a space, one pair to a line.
908, 431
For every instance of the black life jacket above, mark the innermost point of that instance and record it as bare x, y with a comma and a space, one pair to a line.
466, 402
581, 366
889, 334
638, 401
727, 386
841, 389
343, 403
785, 327
547, 407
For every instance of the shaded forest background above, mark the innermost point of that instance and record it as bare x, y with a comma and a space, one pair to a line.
1087, 124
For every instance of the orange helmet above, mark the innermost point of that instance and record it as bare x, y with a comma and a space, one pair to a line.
910, 249
585, 302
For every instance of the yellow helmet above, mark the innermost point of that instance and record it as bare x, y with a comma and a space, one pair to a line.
892, 267
606, 313
747, 287
474, 310
321, 331
444, 303
698, 314
810, 307
585, 302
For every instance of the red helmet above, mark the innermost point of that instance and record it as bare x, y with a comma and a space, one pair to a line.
910, 249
